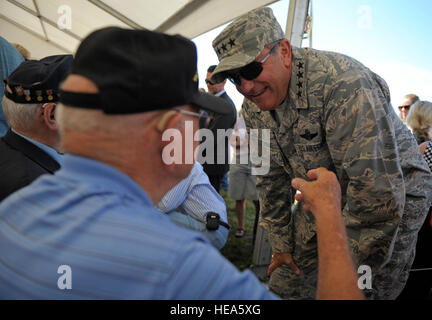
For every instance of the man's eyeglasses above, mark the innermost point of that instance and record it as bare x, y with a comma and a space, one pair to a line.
404, 107
203, 117
209, 82
251, 70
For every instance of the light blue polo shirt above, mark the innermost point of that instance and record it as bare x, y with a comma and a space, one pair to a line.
96, 221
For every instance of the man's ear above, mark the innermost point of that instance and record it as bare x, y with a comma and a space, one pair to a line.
167, 123
168, 120
49, 115
285, 52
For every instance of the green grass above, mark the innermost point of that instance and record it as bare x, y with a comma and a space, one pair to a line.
239, 250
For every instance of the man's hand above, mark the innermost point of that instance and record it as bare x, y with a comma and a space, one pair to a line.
320, 194
337, 277
282, 258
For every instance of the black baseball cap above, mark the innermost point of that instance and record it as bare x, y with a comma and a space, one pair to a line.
37, 81
139, 71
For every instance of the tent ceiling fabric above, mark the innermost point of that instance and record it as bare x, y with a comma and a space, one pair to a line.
37, 19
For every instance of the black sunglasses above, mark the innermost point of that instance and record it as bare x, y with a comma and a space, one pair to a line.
404, 107
209, 82
249, 71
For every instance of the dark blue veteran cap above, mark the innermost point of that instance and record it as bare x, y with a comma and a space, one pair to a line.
139, 71
37, 81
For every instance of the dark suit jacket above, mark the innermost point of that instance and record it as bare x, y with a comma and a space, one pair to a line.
221, 122
21, 162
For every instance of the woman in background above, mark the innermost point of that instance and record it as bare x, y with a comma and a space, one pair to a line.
419, 120
419, 283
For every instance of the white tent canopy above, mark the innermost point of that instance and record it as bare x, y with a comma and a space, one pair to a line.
35, 23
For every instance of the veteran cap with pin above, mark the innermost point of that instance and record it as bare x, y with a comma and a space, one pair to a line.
37, 81
243, 40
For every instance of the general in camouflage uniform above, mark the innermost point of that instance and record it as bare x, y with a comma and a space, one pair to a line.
334, 113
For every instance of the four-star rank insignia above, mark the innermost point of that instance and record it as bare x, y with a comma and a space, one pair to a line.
299, 77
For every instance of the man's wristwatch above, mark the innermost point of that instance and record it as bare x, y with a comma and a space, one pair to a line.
213, 221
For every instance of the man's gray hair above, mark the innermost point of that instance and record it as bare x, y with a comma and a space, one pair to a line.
20, 115
86, 120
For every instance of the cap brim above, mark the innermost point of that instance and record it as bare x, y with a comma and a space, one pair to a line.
233, 62
212, 103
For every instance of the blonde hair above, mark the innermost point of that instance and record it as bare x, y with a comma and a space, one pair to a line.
419, 119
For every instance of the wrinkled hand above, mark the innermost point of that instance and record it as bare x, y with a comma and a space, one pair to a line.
322, 193
282, 258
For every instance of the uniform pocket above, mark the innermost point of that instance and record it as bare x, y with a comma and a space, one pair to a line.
314, 155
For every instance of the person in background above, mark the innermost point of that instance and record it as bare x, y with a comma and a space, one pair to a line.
242, 184
31, 147
10, 58
419, 120
419, 284
217, 170
193, 202
224, 181
405, 105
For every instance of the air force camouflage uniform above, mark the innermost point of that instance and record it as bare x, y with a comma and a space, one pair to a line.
337, 115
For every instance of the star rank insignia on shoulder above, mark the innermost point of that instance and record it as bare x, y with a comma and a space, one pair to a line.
299, 76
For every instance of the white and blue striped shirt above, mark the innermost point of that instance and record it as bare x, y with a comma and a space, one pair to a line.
194, 197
